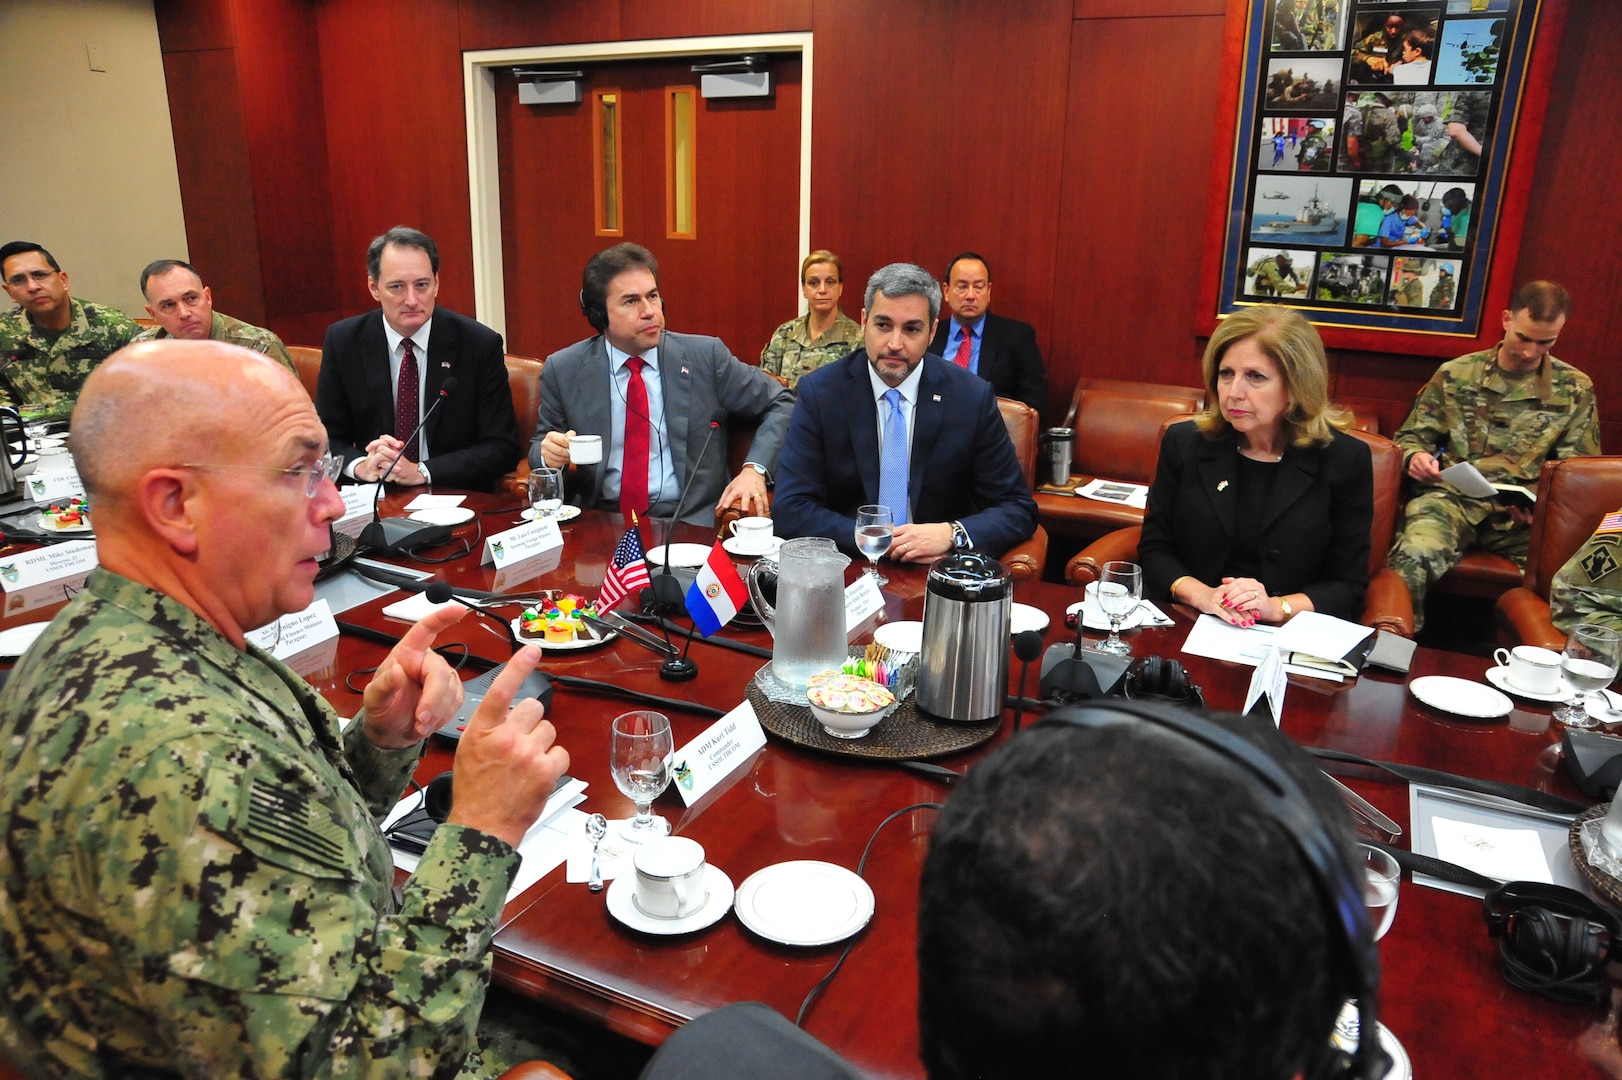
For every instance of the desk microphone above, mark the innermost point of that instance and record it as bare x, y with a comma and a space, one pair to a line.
438, 592
1027, 647
667, 591
396, 535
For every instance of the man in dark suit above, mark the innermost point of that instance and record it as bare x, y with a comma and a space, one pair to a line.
892, 426
657, 393
472, 438
1001, 351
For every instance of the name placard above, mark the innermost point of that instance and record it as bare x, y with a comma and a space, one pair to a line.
1269, 682
55, 486
43, 595
292, 634
862, 600
358, 501
75, 558
724, 747
525, 541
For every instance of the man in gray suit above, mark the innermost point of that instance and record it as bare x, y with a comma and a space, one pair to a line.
658, 393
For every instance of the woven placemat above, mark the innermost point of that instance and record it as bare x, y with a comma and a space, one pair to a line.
905, 733
1606, 887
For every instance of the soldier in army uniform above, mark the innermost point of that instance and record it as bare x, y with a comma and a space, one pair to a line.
1588, 589
1410, 291
195, 884
52, 342
1313, 153
1506, 410
820, 336
1373, 57
1381, 134
1274, 275
1442, 291
184, 308
1466, 122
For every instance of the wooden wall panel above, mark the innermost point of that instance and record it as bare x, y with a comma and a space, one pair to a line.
695, 18
190, 25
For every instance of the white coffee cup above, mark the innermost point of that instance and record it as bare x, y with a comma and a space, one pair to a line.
585, 449
1532, 669
670, 877
752, 533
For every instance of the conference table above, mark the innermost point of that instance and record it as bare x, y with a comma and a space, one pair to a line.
1442, 994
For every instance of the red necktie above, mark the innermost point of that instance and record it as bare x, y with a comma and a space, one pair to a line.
405, 402
634, 462
965, 348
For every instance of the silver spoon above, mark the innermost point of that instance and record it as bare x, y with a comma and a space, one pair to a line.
596, 828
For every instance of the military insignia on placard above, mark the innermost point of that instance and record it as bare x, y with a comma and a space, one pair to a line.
9, 571
1599, 563
498, 549
684, 775
37, 487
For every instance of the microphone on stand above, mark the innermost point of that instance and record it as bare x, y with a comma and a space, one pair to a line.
396, 535
439, 591
668, 595
1027, 647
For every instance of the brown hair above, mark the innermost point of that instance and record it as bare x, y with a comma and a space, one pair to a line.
822, 255
1286, 336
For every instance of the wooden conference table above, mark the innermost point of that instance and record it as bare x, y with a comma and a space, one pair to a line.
1442, 995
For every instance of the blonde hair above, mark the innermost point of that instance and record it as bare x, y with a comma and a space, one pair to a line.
1285, 335
822, 255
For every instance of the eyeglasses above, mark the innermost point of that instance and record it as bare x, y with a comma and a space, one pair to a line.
17, 281
326, 467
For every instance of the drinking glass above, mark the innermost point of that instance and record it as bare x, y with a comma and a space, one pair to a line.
1589, 664
1381, 876
639, 758
1120, 590
545, 491
875, 526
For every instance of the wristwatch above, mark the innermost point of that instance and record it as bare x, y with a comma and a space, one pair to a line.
761, 469
960, 536
1284, 605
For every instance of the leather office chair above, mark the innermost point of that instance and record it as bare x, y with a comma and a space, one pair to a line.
308, 362
524, 380
1573, 496
1386, 604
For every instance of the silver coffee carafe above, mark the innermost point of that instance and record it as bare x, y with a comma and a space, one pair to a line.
963, 672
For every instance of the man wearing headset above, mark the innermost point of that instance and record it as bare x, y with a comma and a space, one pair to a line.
653, 396
1107, 896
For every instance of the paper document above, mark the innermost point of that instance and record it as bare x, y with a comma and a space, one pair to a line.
1312, 638
1115, 491
1466, 479
1240, 645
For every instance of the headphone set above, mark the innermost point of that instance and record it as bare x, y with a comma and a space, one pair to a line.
1553, 941
1280, 796
1151, 678
595, 311
413, 831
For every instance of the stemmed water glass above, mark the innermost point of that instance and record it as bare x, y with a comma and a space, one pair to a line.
1120, 590
639, 758
875, 527
1381, 877
545, 491
1589, 663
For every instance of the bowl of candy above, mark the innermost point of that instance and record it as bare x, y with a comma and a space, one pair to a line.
847, 706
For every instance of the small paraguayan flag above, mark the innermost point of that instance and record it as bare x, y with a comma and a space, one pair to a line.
716, 594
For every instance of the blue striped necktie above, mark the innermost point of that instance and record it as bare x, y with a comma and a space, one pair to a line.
893, 459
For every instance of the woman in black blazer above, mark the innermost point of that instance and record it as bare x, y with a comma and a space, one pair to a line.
1261, 506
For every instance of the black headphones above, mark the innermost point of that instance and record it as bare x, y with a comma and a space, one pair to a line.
1554, 941
1152, 678
595, 311
1282, 799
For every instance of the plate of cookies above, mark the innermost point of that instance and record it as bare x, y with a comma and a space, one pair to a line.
73, 516
555, 624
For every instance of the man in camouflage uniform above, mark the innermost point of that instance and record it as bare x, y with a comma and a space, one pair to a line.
1382, 135
1274, 275
820, 336
1442, 291
1466, 121
1373, 56
1588, 589
1506, 410
52, 342
1313, 153
1410, 292
184, 308
195, 884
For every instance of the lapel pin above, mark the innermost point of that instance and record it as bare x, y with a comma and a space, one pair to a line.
684, 370
935, 397
446, 364
1222, 486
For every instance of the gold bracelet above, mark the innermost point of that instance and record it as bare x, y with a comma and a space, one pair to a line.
1172, 592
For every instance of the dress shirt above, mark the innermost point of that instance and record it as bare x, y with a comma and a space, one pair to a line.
661, 481
954, 338
909, 400
419, 342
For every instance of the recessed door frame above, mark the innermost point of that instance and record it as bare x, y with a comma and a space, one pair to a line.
479, 71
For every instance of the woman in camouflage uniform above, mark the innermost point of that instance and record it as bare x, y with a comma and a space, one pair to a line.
820, 336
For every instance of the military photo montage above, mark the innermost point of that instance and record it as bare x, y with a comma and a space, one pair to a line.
1374, 123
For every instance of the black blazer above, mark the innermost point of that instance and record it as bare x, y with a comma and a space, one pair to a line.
1315, 536
1009, 359
473, 435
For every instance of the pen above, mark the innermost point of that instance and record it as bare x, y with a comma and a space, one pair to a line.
1440, 450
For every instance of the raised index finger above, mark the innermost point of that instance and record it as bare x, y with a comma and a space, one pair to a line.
499, 698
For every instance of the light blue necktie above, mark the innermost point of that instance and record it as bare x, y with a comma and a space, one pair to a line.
893, 460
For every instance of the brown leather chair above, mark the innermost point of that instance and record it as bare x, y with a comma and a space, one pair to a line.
1118, 425
524, 380
1573, 495
1386, 605
308, 362
1025, 559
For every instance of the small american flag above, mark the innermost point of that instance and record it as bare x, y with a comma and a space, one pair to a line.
627, 570
1611, 523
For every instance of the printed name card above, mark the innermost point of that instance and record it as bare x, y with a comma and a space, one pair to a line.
526, 541
73, 559
724, 747
357, 513
55, 486
862, 600
1270, 681
292, 634
43, 595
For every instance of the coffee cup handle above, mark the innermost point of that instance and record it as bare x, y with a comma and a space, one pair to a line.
1502, 656
681, 895
732, 527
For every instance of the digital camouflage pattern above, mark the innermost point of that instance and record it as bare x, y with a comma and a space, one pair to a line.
1442, 291
1507, 427
194, 884
1588, 589
791, 353
236, 332
46, 370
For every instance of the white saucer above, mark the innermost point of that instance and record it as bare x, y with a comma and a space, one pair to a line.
682, 556
804, 903
1499, 677
769, 551
562, 513
906, 637
622, 905
48, 441
443, 515
1461, 697
15, 641
1093, 617
1025, 617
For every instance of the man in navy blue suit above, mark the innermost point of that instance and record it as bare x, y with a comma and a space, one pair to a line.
891, 425
1000, 350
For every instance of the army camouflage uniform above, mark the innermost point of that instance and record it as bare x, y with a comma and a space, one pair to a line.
1313, 154
791, 353
236, 332
194, 883
1442, 291
1504, 425
1470, 109
1382, 138
1410, 293
1588, 589
47, 370
1270, 277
